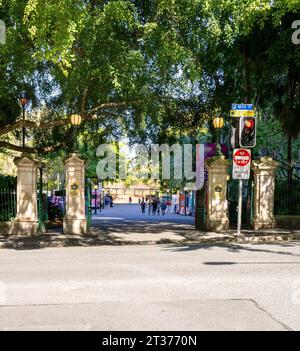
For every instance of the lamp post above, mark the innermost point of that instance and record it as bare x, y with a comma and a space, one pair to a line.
218, 124
24, 99
96, 196
76, 121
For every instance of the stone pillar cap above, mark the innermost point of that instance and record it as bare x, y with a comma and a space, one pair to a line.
217, 161
265, 162
75, 158
24, 157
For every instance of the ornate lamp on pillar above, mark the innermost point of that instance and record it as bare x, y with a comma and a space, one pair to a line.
76, 121
218, 124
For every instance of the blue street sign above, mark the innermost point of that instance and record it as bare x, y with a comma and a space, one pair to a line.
247, 107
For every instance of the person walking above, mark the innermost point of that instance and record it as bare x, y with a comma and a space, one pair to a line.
168, 204
143, 206
163, 208
154, 207
149, 206
158, 207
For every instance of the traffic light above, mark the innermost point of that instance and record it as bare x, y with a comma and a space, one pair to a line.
247, 132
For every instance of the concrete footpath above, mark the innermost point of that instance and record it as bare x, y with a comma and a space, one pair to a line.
126, 225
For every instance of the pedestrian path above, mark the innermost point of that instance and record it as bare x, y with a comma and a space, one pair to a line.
133, 212
127, 223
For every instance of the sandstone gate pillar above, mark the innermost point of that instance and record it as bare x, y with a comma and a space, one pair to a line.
264, 189
217, 204
26, 221
75, 217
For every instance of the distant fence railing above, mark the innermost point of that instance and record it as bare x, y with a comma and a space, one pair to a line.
8, 204
287, 198
282, 173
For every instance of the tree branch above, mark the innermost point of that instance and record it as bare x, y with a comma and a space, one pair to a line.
30, 150
31, 124
19, 124
83, 102
113, 105
65, 121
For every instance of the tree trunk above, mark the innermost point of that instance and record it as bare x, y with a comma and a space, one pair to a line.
247, 76
292, 91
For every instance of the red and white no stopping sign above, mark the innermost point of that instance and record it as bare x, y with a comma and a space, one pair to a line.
242, 157
241, 164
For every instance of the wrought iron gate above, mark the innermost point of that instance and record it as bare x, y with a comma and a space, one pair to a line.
8, 204
287, 198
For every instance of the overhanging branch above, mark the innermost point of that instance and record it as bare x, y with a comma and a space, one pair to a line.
65, 121
31, 150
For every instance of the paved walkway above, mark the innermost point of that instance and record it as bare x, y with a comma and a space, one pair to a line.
133, 213
128, 223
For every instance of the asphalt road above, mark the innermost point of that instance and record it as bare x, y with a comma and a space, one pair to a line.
156, 287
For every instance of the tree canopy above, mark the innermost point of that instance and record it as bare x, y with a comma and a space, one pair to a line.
150, 70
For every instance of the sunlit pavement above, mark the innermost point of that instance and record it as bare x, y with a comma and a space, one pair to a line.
156, 287
128, 223
133, 213
171, 286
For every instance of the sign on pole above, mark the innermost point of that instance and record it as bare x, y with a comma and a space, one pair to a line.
241, 171
248, 107
241, 164
242, 110
242, 113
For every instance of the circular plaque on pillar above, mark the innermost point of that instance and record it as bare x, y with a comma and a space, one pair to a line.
74, 189
218, 192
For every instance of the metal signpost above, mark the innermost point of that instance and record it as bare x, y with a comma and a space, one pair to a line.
241, 157
241, 171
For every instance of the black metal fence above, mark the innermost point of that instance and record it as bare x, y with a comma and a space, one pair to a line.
287, 198
8, 204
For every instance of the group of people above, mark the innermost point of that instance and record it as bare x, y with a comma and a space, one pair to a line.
108, 201
155, 206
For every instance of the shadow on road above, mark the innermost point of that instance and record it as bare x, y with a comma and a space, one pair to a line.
234, 248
